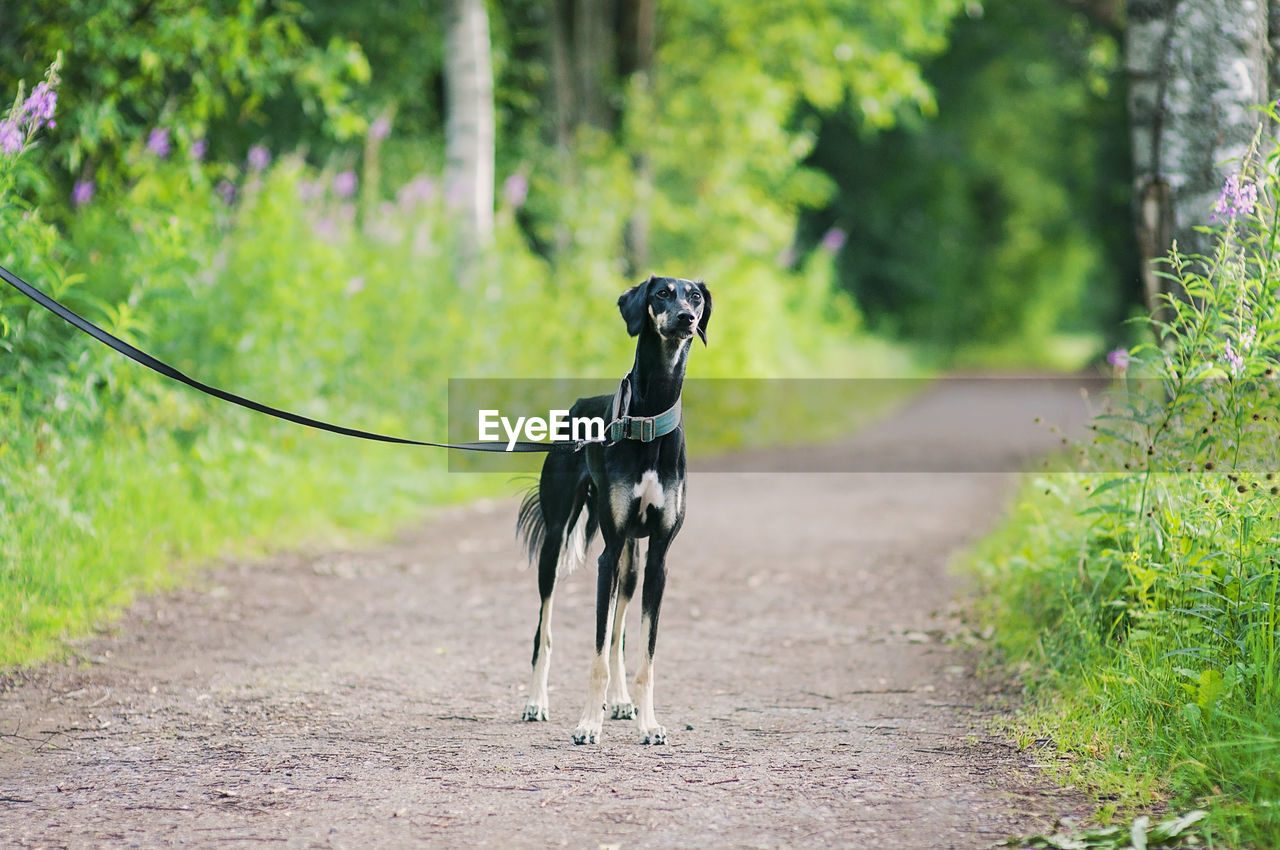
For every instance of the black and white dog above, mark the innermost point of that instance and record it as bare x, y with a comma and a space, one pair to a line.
628, 489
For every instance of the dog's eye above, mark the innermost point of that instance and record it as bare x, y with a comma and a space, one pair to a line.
694, 297
663, 293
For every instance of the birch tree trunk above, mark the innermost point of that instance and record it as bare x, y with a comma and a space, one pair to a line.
636, 62
469, 129
1196, 67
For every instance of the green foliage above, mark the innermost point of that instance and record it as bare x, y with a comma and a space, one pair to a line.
716, 124
1142, 593
403, 41
224, 72
1005, 219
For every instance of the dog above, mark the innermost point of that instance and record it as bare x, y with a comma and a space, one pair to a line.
627, 489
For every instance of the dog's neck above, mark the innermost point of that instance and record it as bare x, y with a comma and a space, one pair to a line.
658, 373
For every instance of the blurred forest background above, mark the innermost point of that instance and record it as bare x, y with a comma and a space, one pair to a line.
967, 164
335, 207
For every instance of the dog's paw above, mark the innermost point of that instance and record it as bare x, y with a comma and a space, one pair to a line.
586, 734
534, 712
656, 735
623, 711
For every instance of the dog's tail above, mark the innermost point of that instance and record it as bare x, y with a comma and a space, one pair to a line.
579, 530
531, 528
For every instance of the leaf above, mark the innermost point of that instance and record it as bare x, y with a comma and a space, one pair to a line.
1138, 832
1210, 688
1111, 484
1172, 828
1112, 508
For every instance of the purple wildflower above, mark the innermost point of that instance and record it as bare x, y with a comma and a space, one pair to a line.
199, 148
259, 157
39, 106
12, 139
227, 190
419, 190
27, 118
158, 142
1236, 199
1234, 360
1119, 359
354, 285
833, 240
82, 192
380, 128
326, 227
344, 184
515, 189
310, 191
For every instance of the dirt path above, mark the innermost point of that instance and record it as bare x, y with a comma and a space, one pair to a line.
372, 698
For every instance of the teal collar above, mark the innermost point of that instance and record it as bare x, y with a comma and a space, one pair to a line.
646, 429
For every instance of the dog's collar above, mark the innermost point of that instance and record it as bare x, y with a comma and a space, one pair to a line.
646, 429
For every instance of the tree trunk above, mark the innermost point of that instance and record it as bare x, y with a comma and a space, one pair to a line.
1196, 67
638, 26
594, 51
469, 129
562, 91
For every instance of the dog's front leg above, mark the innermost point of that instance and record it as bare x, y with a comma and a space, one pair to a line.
655, 581
588, 731
620, 705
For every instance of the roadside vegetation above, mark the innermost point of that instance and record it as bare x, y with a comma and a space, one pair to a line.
1137, 598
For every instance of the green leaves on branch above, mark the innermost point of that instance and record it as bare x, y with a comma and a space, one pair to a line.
211, 71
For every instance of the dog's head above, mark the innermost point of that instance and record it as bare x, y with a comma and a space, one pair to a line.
674, 308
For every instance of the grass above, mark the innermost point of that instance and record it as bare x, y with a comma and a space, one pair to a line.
1137, 713
101, 518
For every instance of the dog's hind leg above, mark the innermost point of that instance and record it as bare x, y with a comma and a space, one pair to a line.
655, 580
620, 705
548, 566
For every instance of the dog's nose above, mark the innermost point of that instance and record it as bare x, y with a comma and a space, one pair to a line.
686, 318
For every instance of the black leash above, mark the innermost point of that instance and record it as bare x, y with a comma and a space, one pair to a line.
168, 371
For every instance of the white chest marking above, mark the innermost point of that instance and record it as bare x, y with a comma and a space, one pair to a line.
648, 491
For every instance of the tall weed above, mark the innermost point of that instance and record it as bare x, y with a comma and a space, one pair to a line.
1140, 594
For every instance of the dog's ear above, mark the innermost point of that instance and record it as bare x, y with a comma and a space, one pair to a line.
633, 305
706, 310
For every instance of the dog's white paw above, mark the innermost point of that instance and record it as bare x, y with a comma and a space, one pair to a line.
587, 733
656, 735
534, 712
623, 711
